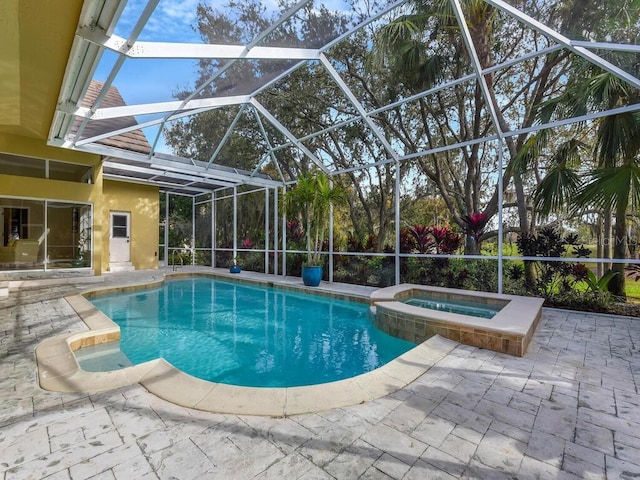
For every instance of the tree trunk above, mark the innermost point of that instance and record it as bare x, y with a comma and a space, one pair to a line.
471, 247
606, 238
617, 283
599, 247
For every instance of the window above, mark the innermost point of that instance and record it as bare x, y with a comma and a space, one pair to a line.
119, 226
39, 168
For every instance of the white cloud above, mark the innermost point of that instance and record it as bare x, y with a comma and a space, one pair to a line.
171, 21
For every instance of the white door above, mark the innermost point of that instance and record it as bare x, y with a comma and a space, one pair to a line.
119, 245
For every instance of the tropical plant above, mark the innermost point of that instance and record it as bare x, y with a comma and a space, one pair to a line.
552, 278
634, 271
294, 230
474, 224
595, 284
446, 240
557, 190
613, 184
311, 198
422, 236
436, 239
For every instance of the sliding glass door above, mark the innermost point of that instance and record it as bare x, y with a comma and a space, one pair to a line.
43, 234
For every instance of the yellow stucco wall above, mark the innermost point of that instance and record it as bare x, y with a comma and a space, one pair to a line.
143, 203
35, 39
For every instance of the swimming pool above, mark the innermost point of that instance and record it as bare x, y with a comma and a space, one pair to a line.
232, 333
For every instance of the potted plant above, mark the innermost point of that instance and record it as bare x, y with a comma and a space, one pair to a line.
234, 267
311, 199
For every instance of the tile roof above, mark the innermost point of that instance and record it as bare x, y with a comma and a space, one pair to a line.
134, 140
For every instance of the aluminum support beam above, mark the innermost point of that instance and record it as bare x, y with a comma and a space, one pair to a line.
275, 231
166, 228
214, 230
154, 171
271, 151
614, 47
266, 230
213, 174
173, 50
159, 107
284, 235
193, 230
160, 184
331, 237
138, 126
397, 225
235, 222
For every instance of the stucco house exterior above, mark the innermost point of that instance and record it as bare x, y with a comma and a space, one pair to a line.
58, 208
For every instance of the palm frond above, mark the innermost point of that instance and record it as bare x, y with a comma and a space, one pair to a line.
570, 153
528, 154
618, 138
610, 187
556, 190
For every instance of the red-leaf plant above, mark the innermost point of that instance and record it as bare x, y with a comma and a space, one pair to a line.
446, 241
474, 225
422, 236
294, 230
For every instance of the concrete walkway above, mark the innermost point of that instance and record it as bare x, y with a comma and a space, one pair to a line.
569, 409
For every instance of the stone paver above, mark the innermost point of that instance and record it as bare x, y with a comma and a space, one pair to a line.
569, 409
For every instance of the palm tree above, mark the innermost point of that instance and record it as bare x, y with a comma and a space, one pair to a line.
312, 198
613, 184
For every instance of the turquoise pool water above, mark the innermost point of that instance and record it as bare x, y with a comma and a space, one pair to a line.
246, 335
463, 307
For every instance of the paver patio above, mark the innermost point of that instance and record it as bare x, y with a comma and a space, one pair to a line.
568, 409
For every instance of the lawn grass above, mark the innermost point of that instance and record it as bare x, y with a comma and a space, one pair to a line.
633, 290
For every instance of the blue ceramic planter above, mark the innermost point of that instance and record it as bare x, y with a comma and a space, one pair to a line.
235, 268
312, 275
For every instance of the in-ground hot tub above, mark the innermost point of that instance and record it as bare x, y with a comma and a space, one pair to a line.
504, 323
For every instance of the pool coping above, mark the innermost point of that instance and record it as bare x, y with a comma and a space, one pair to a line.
59, 370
